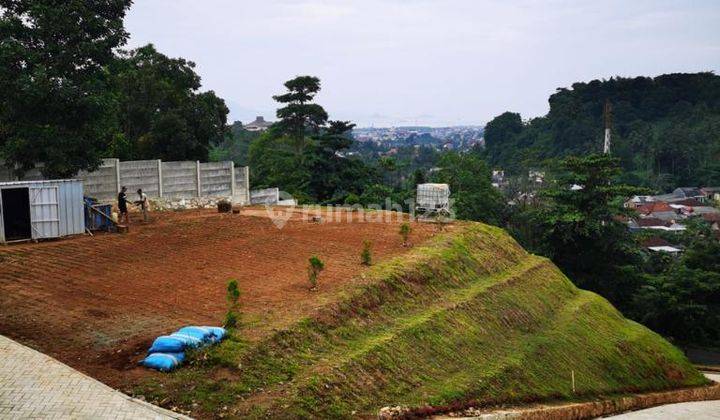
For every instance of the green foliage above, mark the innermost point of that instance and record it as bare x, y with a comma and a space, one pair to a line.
366, 254
55, 106
315, 266
578, 222
666, 130
405, 231
303, 152
299, 117
474, 197
235, 146
232, 317
69, 100
161, 114
580, 230
680, 297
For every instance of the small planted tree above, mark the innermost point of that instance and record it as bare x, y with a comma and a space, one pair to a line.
232, 317
366, 254
314, 269
405, 233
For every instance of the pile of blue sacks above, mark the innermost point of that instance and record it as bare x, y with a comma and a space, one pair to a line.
168, 351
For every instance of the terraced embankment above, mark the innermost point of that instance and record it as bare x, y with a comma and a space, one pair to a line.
468, 317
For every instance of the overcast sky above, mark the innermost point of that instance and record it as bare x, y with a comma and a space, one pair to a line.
431, 62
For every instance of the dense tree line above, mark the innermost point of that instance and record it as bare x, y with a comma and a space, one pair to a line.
578, 223
666, 130
71, 97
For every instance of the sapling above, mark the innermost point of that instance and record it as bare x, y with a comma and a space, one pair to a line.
232, 317
366, 254
314, 269
405, 233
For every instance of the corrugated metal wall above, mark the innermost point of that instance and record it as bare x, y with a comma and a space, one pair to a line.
56, 207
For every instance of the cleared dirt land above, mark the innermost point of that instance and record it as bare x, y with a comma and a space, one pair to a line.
96, 303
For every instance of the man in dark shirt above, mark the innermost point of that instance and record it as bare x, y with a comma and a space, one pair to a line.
122, 206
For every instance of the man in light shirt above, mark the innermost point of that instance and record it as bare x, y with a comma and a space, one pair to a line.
143, 203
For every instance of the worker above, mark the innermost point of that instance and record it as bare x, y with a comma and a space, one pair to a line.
122, 206
143, 203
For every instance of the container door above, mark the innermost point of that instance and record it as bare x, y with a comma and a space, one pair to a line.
15, 214
44, 212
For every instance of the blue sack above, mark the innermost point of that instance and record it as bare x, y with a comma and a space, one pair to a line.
189, 340
167, 344
164, 362
203, 334
217, 332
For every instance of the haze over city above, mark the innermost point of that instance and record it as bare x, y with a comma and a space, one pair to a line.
412, 62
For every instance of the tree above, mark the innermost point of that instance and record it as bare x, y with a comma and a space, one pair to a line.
303, 153
470, 186
666, 129
299, 117
55, 107
580, 223
161, 114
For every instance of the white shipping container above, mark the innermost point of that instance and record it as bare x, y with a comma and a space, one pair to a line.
41, 209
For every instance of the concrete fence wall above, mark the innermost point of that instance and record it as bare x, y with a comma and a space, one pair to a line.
180, 179
143, 174
103, 182
265, 196
242, 184
216, 178
185, 179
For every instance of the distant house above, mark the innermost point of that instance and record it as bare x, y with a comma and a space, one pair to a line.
667, 216
666, 248
537, 177
654, 241
681, 194
658, 244
653, 207
648, 222
712, 193
689, 192
258, 125
638, 200
700, 210
655, 223
498, 178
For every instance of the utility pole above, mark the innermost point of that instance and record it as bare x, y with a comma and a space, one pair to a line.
607, 116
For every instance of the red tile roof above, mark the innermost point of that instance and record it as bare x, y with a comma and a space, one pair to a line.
654, 241
650, 221
653, 207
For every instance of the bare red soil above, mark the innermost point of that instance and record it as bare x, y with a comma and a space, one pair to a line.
96, 303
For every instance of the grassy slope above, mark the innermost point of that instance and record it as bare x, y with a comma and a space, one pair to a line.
468, 317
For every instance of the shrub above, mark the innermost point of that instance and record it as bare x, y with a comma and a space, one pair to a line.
232, 317
366, 255
314, 269
405, 233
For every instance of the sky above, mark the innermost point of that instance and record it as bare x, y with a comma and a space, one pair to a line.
424, 62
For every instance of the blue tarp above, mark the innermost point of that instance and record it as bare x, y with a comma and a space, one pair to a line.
164, 362
167, 351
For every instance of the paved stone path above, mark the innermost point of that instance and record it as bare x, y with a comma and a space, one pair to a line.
36, 386
700, 410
